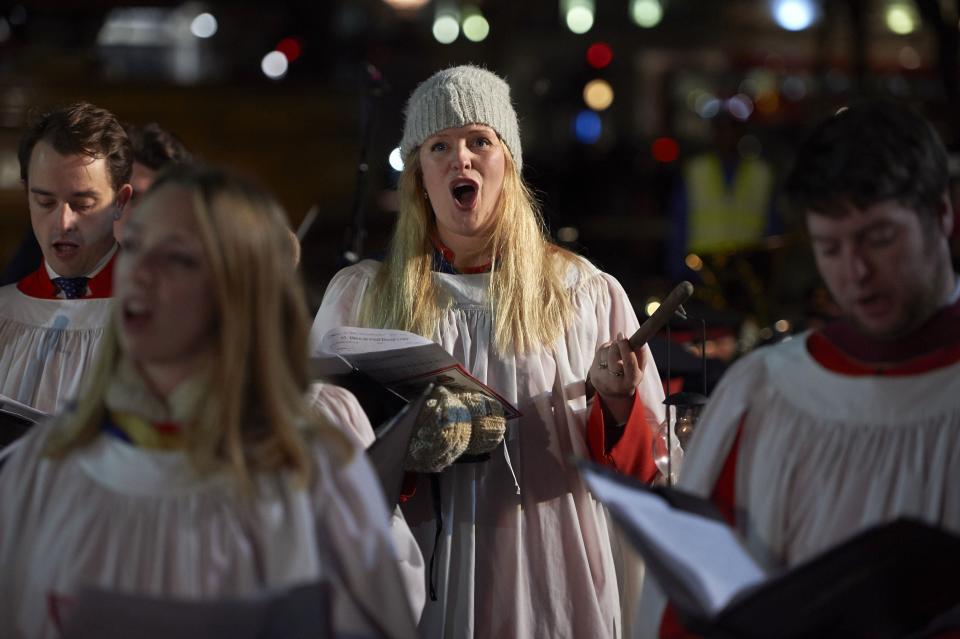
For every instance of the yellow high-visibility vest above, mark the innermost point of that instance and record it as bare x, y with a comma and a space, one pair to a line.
721, 217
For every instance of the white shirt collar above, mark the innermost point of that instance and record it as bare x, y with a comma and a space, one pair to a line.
96, 269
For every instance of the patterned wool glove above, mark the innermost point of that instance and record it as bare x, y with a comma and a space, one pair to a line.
488, 422
442, 435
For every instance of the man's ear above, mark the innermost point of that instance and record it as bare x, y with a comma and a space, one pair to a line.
123, 199
945, 215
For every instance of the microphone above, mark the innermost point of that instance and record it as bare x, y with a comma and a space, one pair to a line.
662, 315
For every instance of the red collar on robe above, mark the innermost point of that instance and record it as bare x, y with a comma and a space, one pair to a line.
449, 257
38, 283
840, 347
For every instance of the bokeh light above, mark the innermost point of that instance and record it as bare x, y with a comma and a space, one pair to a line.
740, 106
599, 55
646, 13
290, 47
274, 65
900, 18
587, 126
665, 150
396, 160
446, 29
578, 15
204, 26
794, 15
476, 28
598, 94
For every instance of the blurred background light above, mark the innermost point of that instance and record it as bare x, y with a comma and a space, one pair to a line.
598, 94
446, 28
740, 106
909, 58
665, 150
599, 55
693, 262
794, 88
794, 15
587, 126
901, 18
290, 47
476, 28
578, 15
652, 305
646, 13
396, 160
567, 234
204, 26
406, 5
706, 105
274, 65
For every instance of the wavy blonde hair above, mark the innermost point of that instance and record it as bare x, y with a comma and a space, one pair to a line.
529, 299
251, 418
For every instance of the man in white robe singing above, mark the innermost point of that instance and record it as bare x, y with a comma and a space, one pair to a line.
75, 164
806, 443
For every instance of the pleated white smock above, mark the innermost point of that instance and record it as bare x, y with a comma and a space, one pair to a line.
823, 455
525, 550
46, 345
137, 520
342, 409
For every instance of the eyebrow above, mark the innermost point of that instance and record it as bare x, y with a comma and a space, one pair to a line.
90, 194
873, 226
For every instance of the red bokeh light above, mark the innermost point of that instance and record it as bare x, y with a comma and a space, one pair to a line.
599, 55
290, 47
665, 150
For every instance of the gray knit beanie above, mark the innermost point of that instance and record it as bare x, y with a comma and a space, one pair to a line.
456, 97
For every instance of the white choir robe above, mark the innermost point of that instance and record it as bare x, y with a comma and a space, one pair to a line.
47, 344
525, 550
120, 517
821, 455
341, 409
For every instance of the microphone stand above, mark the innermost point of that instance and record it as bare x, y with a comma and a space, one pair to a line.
374, 87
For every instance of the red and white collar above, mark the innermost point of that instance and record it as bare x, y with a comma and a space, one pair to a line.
38, 284
840, 347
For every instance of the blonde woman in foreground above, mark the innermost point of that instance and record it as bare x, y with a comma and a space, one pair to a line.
515, 544
192, 467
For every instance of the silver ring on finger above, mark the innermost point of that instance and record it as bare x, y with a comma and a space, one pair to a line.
602, 364
617, 373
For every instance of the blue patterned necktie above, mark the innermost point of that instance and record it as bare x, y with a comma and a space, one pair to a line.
72, 287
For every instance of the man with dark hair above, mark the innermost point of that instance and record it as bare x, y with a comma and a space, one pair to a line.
153, 149
75, 163
806, 443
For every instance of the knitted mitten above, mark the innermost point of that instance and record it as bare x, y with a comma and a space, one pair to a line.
488, 422
442, 435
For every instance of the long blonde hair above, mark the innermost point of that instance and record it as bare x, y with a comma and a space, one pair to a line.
252, 416
530, 302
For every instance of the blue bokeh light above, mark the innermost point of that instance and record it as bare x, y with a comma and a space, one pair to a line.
587, 126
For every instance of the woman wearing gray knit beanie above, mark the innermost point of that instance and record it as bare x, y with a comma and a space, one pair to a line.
523, 549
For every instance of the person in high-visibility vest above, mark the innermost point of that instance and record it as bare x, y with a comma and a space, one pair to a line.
724, 203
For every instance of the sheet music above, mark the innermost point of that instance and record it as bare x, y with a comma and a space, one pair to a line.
703, 552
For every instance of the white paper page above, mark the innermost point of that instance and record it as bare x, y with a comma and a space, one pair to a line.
17, 408
348, 340
704, 552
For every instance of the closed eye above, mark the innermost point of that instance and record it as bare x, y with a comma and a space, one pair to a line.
826, 249
881, 236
